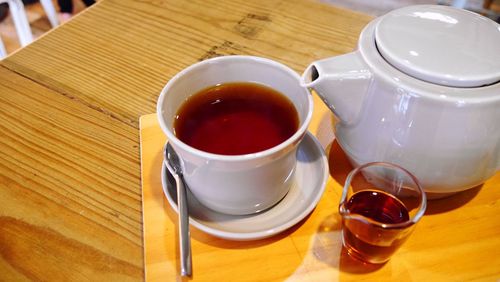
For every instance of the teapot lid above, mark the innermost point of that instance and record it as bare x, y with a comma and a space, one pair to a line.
441, 45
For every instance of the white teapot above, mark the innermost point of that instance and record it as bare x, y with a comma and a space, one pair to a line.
422, 90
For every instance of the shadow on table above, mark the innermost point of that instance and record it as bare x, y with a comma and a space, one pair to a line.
230, 244
338, 163
452, 202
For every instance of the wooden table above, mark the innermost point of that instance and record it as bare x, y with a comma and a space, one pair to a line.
70, 187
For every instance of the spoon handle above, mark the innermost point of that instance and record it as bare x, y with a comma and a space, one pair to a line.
185, 243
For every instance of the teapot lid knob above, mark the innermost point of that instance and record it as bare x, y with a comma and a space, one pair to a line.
441, 45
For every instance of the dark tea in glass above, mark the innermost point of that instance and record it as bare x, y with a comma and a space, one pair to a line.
380, 206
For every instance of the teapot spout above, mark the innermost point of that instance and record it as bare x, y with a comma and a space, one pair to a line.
341, 82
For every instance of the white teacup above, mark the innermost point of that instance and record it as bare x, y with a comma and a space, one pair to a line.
236, 184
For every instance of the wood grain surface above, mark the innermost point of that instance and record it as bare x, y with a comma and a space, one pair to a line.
69, 197
70, 191
117, 55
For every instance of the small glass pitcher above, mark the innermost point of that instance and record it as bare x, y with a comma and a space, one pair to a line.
380, 205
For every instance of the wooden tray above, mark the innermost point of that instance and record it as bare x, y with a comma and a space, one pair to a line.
457, 239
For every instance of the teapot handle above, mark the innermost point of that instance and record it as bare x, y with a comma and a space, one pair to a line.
341, 82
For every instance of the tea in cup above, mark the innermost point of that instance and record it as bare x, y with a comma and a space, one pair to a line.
380, 205
230, 119
236, 123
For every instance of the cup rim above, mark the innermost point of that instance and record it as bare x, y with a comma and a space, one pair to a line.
365, 219
261, 154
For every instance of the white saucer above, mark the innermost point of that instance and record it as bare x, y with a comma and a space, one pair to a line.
310, 179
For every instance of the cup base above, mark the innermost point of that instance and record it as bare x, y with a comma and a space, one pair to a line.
247, 212
353, 253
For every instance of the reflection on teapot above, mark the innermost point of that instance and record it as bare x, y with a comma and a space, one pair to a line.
422, 90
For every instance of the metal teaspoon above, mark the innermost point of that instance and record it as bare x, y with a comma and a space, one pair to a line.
173, 164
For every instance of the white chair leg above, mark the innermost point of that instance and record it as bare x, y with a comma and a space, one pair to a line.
459, 3
50, 11
3, 52
23, 29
